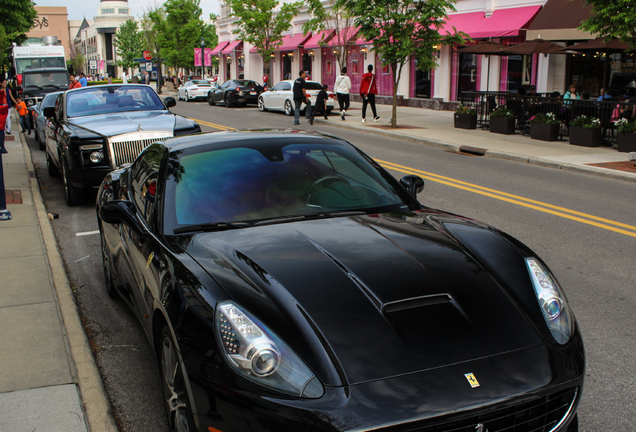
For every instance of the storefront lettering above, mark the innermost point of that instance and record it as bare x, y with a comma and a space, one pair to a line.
40, 22
622, 67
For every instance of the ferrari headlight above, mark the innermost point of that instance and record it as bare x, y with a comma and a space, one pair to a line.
260, 356
553, 305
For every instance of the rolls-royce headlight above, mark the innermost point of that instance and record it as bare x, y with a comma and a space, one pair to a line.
257, 354
554, 307
96, 157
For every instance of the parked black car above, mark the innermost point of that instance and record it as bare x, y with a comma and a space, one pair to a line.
95, 129
288, 283
235, 92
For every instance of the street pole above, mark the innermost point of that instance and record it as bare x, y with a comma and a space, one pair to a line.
4, 213
202, 57
158, 69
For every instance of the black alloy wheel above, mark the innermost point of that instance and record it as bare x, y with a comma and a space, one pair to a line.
228, 102
210, 99
70, 193
174, 388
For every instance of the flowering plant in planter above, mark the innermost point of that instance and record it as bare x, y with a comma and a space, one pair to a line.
463, 109
548, 118
625, 126
502, 111
586, 122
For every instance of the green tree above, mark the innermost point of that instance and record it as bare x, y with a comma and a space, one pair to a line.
612, 19
129, 44
331, 14
403, 29
16, 20
78, 62
262, 23
179, 30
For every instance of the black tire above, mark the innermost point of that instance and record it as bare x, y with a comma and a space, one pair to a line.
50, 166
71, 194
228, 102
174, 389
289, 110
329, 111
574, 424
261, 104
106, 265
210, 100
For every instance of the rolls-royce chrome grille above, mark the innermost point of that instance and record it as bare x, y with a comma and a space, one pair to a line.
125, 148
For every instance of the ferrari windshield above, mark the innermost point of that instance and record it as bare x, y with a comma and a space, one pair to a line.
100, 100
277, 182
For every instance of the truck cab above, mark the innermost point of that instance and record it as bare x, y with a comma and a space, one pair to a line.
36, 83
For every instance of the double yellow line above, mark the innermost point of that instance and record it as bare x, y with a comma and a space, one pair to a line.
212, 125
618, 227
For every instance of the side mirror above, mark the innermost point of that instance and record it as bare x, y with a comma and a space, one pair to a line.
413, 184
169, 101
120, 212
49, 112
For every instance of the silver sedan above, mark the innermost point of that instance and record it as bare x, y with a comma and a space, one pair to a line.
281, 97
194, 89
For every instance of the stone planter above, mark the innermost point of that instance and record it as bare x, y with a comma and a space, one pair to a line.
626, 142
502, 125
586, 137
544, 131
466, 121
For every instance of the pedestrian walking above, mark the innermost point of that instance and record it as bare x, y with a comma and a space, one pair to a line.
10, 101
368, 90
83, 81
4, 109
301, 97
342, 87
74, 82
124, 77
24, 116
321, 104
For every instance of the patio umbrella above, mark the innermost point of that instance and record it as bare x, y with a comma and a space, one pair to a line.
532, 47
486, 48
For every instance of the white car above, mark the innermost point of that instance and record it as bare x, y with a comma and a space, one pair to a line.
194, 89
281, 97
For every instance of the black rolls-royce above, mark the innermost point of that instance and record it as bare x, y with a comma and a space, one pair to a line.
96, 129
289, 283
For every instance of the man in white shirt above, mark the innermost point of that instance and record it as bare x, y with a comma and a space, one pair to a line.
342, 87
124, 77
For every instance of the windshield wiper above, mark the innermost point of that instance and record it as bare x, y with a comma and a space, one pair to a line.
32, 86
308, 216
212, 226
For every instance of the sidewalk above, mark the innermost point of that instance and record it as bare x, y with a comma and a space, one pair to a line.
48, 379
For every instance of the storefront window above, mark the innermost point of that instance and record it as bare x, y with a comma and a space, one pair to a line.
307, 65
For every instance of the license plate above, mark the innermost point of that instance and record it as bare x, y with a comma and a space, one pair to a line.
252, 93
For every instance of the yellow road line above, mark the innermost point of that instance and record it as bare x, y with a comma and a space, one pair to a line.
212, 125
518, 200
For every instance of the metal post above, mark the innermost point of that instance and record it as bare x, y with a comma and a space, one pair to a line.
202, 58
4, 213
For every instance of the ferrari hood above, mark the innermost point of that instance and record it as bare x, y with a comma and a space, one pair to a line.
386, 295
112, 124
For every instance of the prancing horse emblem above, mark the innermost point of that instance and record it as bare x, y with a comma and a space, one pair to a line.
481, 428
472, 380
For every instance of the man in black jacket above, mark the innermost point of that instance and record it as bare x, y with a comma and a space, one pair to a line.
300, 97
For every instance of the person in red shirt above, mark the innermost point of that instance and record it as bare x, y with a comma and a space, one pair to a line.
74, 83
368, 90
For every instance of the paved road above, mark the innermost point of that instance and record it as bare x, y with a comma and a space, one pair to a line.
570, 219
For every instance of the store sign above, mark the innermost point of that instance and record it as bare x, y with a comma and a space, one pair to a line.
92, 64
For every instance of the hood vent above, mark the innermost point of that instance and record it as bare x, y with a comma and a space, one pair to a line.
416, 302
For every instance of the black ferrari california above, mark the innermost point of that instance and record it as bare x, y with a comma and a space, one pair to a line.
287, 282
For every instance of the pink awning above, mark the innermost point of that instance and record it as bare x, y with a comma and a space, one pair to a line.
234, 45
219, 47
324, 36
502, 23
292, 42
344, 36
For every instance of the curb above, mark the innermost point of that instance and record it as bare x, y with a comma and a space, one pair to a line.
96, 406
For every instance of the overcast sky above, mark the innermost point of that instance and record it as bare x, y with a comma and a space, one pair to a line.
78, 10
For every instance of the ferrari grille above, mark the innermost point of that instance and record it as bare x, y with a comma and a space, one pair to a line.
543, 414
125, 148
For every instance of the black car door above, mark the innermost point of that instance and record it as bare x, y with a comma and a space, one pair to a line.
140, 244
